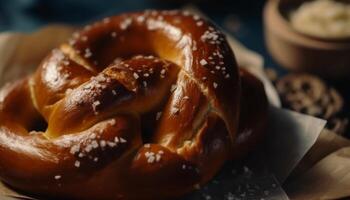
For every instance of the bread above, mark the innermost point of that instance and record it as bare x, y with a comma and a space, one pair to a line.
141, 105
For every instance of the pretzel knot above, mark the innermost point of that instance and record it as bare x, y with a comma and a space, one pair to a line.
137, 106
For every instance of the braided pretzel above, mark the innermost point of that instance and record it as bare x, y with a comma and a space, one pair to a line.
137, 106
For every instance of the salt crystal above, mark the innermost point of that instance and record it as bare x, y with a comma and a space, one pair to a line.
159, 114
136, 76
77, 164
203, 62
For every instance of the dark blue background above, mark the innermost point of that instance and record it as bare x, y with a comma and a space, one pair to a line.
28, 15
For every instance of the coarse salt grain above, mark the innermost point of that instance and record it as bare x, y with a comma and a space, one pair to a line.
186, 13
57, 177
140, 18
203, 62
88, 148
111, 144
136, 76
246, 169
125, 24
94, 144
66, 62
102, 143
77, 164
88, 53
150, 159
158, 157
149, 153
230, 196
74, 149
158, 115
200, 23
95, 104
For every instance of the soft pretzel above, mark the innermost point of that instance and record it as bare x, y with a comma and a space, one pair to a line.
137, 106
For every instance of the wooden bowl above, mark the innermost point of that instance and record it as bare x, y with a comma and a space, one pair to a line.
329, 58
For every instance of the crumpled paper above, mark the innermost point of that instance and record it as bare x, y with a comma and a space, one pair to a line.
258, 176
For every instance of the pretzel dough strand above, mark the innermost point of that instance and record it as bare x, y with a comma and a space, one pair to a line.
145, 102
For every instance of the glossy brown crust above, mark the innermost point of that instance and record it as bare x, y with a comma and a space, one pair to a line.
253, 116
138, 106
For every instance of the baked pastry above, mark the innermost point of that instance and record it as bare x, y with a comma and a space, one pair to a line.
308, 94
137, 106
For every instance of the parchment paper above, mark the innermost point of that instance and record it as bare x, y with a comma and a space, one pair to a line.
255, 177
324, 171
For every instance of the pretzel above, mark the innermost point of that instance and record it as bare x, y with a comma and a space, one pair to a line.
137, 106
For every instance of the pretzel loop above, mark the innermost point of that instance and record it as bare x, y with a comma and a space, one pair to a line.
137, 106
